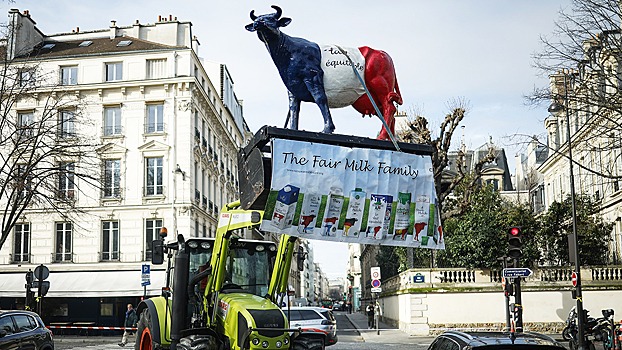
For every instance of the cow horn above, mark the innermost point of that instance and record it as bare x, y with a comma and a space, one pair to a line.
253, 17
279, 12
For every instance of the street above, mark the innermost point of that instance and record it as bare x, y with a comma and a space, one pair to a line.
351, 330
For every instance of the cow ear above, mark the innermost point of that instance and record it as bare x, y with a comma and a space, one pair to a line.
285, 21
250, 27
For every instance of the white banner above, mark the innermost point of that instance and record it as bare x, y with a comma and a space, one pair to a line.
352, 195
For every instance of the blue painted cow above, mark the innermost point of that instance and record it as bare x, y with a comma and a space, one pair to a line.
299, 62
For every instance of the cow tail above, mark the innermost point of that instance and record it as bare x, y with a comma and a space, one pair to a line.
397, 95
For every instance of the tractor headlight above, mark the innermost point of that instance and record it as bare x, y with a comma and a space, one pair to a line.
278, 344
264, 344
286, 340
206, 245
193, 244
255, 341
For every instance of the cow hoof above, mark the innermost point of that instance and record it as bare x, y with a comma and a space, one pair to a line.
329, 129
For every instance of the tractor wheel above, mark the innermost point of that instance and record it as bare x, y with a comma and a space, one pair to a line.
197, 342
144, 333
308, 344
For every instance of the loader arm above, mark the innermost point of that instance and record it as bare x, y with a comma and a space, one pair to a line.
280, 273
231, 218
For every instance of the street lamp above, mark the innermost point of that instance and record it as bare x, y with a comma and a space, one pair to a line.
556, 108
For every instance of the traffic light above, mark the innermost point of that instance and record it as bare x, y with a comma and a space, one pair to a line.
515, 242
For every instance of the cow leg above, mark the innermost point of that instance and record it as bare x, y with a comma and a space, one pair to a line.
294, 111
316, 88
388, 111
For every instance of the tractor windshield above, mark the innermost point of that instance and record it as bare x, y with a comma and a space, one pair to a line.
249, 266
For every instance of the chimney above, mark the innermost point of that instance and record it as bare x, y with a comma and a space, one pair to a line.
159, 18
26, 13
195, 45
77, 29
113, 29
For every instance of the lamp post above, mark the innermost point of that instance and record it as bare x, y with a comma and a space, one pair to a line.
555, 108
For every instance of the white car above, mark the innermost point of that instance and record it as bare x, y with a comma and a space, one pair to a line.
313, 319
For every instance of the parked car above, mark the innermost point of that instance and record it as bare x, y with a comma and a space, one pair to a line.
314, 319
454, 340
24, 330
337, 306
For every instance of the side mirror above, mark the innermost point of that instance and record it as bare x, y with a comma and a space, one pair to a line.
157, 251
3, 333
607, 313
300, 258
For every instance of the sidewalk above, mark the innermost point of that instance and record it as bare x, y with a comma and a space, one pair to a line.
388, 334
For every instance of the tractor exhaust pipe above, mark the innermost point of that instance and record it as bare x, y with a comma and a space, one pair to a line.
180, 293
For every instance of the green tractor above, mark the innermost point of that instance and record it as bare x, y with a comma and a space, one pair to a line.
224, 292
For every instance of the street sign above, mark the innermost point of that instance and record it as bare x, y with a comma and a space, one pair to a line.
517, 272
574, 279
418, 278
375, 283
376, 290
375, 273
145, 277
42, 272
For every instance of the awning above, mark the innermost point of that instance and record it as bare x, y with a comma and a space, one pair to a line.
87, 284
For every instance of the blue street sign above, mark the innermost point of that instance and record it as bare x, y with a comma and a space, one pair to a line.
418, 278
145, 276
146, 283
517, 272
146, 269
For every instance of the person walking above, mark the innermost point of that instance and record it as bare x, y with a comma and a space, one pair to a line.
130, 322
369, 310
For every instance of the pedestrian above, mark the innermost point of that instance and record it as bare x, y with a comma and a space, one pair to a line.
130, 322
377, 314
369, 310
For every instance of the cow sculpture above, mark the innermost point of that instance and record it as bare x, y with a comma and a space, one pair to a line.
301, 68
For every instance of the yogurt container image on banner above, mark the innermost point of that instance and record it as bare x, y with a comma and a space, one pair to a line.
334, 204
285, 207
402, 216
354, 213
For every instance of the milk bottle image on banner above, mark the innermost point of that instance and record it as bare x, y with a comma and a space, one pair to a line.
354, 214
285, 207
309, 211
402, 216
334, 203
422, 216
379, 216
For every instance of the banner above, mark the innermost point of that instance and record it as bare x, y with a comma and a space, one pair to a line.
352, 195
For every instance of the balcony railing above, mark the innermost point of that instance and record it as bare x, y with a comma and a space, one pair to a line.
204, 142
113, 130
151, 128
211, 206
19, 258
204, 202
109, 256
62, 257
197, 196
153, 190
197, 134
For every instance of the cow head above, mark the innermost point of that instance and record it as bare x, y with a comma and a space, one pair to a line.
268, 23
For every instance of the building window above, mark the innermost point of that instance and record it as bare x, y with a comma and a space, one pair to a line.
494, 183
114, 71
69, 75
152, 230
26, 124
153, 180
66, 124
112, 121
155, 118
23, 180
156, 68
63, 241
112, 178
21, 245
26, 77
66, 185
110, 240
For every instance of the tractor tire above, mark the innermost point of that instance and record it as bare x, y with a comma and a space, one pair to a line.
308, 344
197, 342
144, 333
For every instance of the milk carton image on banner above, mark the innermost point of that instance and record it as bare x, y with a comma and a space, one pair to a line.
309, 211
379, 216
285, 207
334, 204
402, 216
422, 216
354, 214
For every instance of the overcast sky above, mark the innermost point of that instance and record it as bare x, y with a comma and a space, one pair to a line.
477, 50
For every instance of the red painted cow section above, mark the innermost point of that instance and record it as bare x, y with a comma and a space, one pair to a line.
381, 81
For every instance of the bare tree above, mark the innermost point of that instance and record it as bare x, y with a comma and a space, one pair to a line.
419, 132
47, 148
582, 58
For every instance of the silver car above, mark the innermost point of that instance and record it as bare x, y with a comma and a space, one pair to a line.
314, 319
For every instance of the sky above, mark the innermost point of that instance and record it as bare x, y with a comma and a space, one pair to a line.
479, 51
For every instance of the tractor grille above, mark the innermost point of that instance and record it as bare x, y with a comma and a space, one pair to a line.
269, 319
